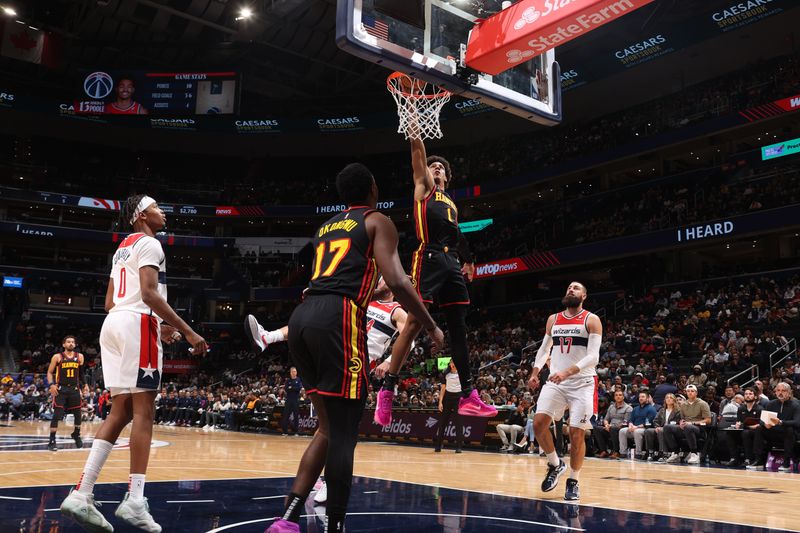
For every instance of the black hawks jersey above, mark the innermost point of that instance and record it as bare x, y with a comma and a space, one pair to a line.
68, 371
436, 220
343, 262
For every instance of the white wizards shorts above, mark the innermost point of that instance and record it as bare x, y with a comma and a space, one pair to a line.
579, 394
131, 352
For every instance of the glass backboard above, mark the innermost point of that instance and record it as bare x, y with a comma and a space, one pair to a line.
434, 53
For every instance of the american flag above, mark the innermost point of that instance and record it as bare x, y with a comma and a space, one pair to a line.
375, 27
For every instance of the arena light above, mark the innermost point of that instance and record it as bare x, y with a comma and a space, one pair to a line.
9, 11
245, 13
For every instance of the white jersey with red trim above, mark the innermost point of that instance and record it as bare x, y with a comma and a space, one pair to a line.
380, 327
136, 251
570, 340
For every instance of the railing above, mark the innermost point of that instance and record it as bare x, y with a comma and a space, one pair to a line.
531, 346
619, 304
234, 377
789, 347
753, 376
601, 313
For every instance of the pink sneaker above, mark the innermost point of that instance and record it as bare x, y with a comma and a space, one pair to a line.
473, 406
383, 411
283, 526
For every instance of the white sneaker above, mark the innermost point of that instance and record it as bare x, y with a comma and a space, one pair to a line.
205, 428
137, 514
172, 423
674, 458
85, 512
505, 448
256, 334
693, 459
322, 494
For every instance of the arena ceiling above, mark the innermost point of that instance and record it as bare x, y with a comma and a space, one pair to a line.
290, 62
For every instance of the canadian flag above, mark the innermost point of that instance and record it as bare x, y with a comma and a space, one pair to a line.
19, 41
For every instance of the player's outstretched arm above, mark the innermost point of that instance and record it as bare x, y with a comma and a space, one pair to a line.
423, 180
383, 235
148, 275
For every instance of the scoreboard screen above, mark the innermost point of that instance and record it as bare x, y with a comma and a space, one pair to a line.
158, 93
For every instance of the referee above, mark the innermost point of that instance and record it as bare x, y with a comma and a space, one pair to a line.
448, 406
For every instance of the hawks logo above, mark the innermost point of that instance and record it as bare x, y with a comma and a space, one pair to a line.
355, 365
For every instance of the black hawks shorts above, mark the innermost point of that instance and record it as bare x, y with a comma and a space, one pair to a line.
68, 399
437, 276
328, 344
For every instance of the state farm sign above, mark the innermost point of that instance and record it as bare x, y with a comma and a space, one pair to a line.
531, 27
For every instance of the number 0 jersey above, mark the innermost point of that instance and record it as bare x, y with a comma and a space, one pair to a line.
136, 251
570, 340
343, 261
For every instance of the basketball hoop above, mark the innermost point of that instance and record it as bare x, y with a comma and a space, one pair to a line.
418, 106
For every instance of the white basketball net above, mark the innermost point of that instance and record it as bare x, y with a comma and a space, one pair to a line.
418, 106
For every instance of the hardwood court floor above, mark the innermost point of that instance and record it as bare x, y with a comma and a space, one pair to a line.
758, 499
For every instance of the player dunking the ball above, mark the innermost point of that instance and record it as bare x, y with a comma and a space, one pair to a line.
572, 344
130, 344
64, 376
438, 275
328, 338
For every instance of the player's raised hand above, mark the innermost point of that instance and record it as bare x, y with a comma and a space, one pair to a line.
199, 345
437, 338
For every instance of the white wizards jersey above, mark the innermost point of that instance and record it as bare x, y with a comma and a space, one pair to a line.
136, 251
380, 328
570, 340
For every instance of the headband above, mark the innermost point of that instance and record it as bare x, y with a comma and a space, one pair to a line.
144, 203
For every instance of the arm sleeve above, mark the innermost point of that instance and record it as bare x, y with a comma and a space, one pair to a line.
464, 251
544, 351
592, 352
149, 253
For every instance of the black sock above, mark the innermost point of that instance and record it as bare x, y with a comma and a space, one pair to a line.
390, 381
335, 523
76, 431
294, 506
52, 437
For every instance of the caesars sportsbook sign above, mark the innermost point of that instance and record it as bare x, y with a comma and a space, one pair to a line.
531, 27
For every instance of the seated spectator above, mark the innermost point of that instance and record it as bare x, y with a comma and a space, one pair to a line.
527, 434
747, 417
698, 378
694, 413
667, 415
617, 416
663, 389
781, 429
642, 417
515, 423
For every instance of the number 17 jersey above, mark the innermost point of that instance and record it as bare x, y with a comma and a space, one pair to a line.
343, 259
136, 251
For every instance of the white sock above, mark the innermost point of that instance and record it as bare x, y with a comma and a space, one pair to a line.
275, 336
94, 463
553, 459
574, 474
136, 486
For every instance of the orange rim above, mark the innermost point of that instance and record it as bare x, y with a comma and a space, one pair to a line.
396, 89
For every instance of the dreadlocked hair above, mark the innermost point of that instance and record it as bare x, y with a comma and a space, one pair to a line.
127, 210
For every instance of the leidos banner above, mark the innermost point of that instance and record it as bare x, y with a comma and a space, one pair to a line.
532, 27
411, 425
500, 268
